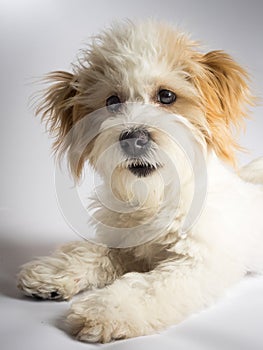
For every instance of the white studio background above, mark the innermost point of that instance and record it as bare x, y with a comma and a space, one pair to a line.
37, 37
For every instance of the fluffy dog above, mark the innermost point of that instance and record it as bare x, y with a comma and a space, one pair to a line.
138, 87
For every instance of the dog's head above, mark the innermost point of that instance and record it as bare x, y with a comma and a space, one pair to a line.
128, 96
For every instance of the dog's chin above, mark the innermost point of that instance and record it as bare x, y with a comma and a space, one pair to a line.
143, 169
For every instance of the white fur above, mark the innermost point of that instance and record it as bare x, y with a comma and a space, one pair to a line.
143, 289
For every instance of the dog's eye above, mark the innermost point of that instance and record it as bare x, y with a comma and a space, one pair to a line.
166, 97
113, 103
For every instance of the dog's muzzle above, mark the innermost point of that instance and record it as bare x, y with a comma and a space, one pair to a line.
135, 144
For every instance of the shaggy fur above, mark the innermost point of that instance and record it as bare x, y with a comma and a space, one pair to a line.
143, 289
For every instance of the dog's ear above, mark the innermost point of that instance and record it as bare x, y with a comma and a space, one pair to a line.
61, 109
225, 95
57, 105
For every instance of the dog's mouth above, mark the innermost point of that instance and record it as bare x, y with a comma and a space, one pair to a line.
144, 169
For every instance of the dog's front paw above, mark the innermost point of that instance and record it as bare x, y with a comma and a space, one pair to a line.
100, 317
46, 279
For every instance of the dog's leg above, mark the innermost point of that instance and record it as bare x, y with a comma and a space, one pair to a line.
72, 268
140, 304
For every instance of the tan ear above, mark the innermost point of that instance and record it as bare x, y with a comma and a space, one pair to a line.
57, 105
223, 86
60, 108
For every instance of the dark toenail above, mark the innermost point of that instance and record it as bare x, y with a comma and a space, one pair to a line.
54, 294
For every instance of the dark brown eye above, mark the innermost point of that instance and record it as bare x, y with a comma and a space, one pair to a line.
166, 97
113, 103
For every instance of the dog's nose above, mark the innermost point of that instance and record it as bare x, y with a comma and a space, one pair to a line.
134, 142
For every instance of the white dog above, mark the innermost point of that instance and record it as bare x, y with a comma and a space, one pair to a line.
139, 88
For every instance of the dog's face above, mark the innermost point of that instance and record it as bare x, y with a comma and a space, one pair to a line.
133, 87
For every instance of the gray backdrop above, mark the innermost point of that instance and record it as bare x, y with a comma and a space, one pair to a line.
37, 36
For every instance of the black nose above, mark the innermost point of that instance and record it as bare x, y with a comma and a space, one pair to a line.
134, 142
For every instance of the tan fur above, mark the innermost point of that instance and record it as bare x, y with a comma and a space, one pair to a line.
57, 105
223, 87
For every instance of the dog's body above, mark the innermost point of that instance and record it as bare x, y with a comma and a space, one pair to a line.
163, 280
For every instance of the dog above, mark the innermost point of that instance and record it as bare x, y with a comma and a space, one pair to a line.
156, 118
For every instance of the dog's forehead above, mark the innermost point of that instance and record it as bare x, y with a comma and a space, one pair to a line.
134, 58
